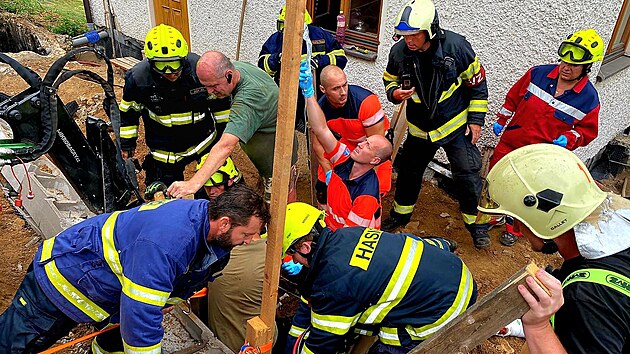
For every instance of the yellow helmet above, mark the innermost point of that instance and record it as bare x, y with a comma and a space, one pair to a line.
164, 43
226, 172
582, 47
417, 16
301, 218
544, 186
283, 15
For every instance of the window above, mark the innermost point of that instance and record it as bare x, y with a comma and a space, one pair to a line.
619, 42
363, 19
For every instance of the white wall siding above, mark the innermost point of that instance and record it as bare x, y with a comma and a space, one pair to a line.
508, 36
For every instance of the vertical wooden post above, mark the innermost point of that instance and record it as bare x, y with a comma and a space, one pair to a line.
257, 333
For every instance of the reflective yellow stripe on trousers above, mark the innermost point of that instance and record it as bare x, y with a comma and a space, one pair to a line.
135, 291
66, 289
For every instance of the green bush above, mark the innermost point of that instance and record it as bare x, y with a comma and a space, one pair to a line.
58, 16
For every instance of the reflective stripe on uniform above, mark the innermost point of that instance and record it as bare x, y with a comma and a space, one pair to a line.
472, 69
334, 324
124, 106
390, 80
448, 93
443, 131
352, 216
296, 331
129, 132
460, 304
575, 133
555, 103
398, 284
265, 58
110, 253
154, 349
377, 117
340, 152
389, 336
403, 209
333, 55
305, 350
170, 120
222, 116
173, 157
505, 112
478, 106
67, 290
469, 219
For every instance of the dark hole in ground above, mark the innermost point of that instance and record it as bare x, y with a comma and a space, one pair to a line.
16, 38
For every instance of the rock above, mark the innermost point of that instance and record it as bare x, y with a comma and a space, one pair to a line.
445, 215
527, 256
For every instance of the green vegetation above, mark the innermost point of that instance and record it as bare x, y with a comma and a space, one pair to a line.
59, 16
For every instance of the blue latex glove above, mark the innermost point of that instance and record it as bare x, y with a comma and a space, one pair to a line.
291, 267
306, 80
497, 128
561, 141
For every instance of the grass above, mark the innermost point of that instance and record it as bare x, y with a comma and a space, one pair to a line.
58, 16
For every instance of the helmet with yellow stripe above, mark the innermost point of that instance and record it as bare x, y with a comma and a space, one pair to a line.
165, 48
301, 220
283, 14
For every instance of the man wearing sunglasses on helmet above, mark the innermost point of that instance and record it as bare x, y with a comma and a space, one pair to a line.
553, 103
180, 122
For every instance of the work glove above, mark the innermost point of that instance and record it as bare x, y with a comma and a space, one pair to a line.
292, 268
306, 80
497, 128
561, 141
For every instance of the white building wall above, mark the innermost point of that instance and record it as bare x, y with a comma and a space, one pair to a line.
508, 36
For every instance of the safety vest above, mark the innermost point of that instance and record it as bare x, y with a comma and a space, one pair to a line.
607, 278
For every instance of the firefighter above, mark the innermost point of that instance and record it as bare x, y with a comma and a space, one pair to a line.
440, 76
567, 213
352, 114
325, 51
125, 267
179, 123
353, 273
252, 121
226, 176
552, 104
353, 196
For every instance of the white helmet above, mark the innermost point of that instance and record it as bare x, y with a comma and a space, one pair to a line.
544, 186
417, 16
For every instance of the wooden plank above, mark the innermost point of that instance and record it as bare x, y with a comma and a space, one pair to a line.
287, 104
399, 123
482, 320
124, 63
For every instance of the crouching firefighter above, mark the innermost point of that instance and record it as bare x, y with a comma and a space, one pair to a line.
126, 267
354, 272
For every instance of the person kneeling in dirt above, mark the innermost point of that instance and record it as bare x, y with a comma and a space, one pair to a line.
353, 196
354, 272
126, 267
568, 213
181, 123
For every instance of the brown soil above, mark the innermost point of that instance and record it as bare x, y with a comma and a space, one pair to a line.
436, 212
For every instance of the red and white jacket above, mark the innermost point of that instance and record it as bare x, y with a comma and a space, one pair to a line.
536, 116
351, 202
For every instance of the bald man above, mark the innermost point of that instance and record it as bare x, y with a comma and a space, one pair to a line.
252, 121
352, 114
353, 196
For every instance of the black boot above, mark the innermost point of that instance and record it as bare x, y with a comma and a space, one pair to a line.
479, 234
394, 221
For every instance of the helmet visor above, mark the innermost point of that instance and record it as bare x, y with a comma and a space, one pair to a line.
168, 67
217, 179
574, 52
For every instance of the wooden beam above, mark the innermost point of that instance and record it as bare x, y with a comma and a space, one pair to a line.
399, 124
287, 103
482, 320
